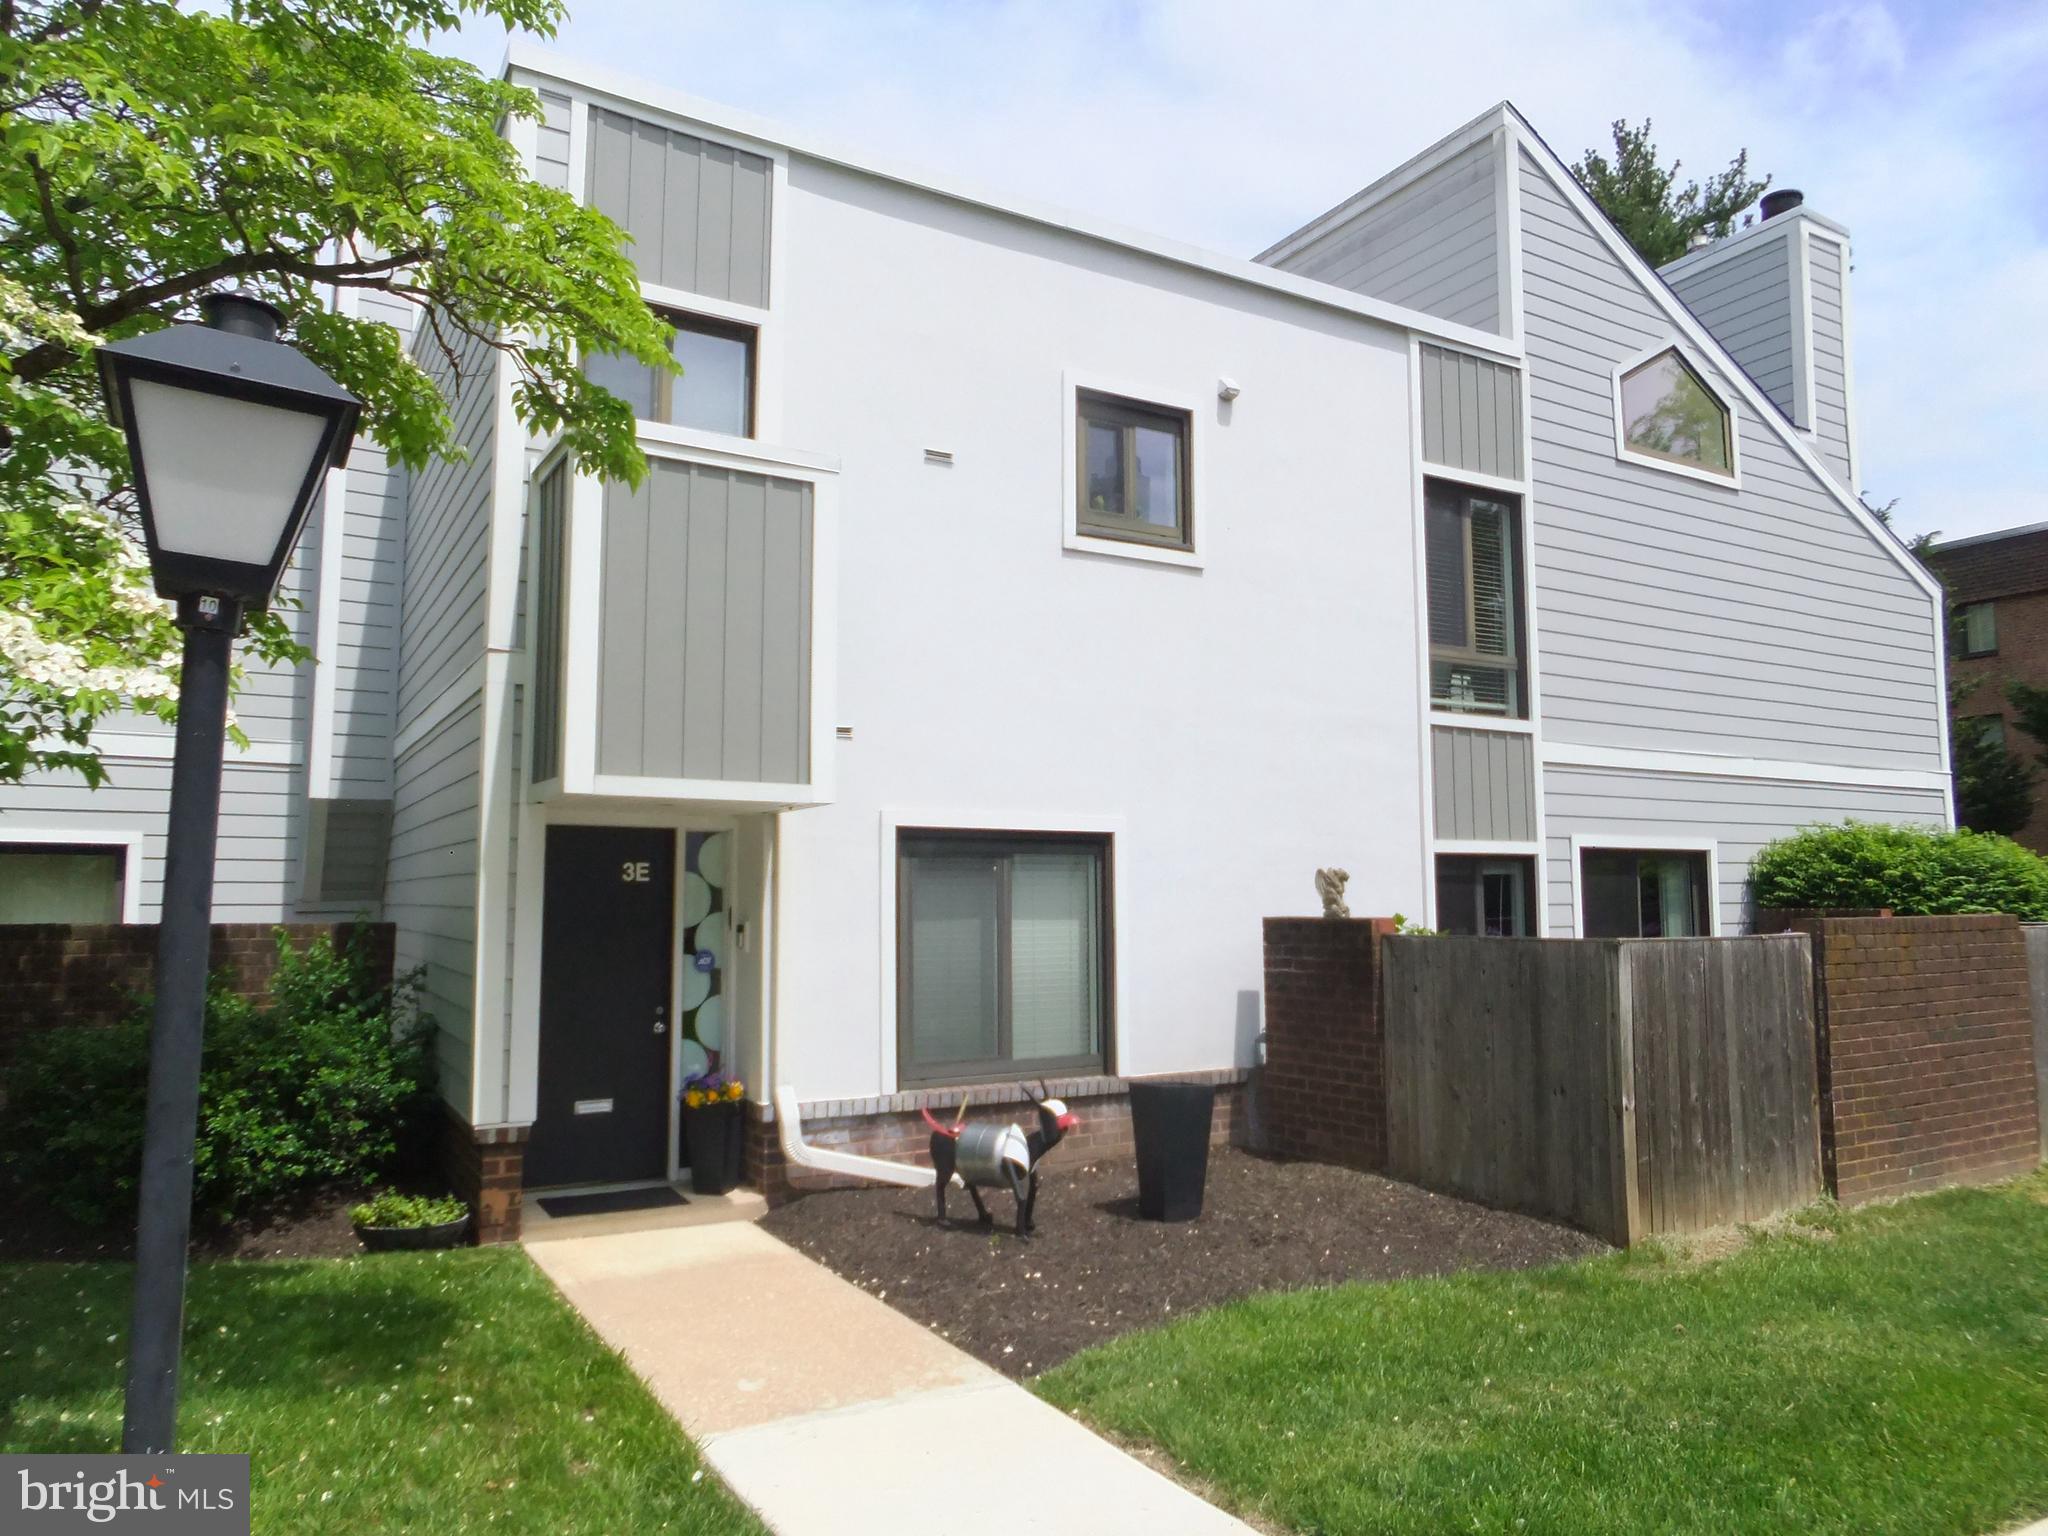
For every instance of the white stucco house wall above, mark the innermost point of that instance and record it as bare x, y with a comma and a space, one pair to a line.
1020, 608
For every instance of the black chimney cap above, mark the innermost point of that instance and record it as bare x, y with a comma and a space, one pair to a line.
1784, 200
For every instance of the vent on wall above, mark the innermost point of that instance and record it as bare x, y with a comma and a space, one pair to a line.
346, 845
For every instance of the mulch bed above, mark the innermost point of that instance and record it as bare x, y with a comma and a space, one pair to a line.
310, 1226
1094, 1269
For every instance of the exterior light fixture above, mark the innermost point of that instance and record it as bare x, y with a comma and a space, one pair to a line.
230, 434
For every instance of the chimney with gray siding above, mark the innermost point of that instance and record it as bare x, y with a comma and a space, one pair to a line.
1776, 295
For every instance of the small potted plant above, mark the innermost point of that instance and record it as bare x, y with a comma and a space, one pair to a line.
714, 1130
391, 1221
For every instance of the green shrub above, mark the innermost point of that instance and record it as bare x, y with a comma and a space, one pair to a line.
330, 1079
391, 1209
1912, 870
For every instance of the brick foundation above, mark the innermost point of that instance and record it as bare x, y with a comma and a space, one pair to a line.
58, 974
1322, 1091
487, 1168
1926, 1051
890, 1127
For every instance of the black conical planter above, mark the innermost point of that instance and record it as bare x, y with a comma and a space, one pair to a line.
1170, 1127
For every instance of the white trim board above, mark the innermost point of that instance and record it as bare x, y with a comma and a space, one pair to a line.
1559, 754
148, 747
129, 840
694, 115
1622, 842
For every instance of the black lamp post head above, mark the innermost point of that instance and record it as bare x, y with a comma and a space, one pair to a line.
231, 433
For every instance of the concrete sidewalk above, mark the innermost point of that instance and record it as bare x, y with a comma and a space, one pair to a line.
830, 1413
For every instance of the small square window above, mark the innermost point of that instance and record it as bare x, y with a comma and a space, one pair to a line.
1978, 623
1990, 729
46, 883
1133, 462
1489, 897
713, 393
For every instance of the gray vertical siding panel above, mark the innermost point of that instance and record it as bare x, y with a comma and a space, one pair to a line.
1484, 784
1738, 815
698, 211
706, 628
1434, 245
1763, 622
1746, 301
1471, 413
666, 572
1830, 359
623, 647
546, 630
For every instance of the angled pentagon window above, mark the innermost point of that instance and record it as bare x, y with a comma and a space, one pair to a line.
1667, 414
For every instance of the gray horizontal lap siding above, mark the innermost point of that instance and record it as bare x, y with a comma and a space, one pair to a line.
1765, 622
1484, 785
430, 891
705, 649
1739, 816
447, 534
1471, 413
1434, 245
1830, 358
697, 209
1746, 302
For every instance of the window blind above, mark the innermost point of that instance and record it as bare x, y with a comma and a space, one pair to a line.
954, 905
1055, 965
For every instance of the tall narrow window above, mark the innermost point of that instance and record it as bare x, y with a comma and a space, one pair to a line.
1133, 471
1979, 625
1475, 618
1490, 897
1003, 956
1668, 413
1646, 895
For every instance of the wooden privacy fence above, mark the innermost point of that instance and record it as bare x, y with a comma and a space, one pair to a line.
1626, 1086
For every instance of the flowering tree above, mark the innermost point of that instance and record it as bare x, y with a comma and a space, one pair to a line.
150, 153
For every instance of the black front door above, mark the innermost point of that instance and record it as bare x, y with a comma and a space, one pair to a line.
607, 933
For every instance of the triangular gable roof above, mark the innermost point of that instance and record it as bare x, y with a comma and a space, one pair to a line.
1666, 298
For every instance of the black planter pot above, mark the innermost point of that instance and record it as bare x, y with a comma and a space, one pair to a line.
1170, 1127
444, 1234
713, 1137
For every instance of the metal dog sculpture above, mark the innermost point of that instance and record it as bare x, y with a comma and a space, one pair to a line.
998, 1156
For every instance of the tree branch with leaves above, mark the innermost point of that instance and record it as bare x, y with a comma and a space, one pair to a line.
1658, 216
150, 153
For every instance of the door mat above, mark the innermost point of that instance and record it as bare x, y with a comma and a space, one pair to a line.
611, 1200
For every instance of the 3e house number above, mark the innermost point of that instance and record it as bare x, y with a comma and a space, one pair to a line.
637, 871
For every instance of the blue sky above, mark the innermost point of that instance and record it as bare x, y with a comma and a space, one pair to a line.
1923, 127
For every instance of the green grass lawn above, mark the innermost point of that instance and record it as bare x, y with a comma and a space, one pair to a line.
1884, 1370
401, 1392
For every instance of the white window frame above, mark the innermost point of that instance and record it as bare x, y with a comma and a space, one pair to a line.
128, 843
1201, 516
1732, 481
1624, 842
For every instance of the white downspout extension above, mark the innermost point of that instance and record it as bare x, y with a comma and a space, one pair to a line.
789, 1120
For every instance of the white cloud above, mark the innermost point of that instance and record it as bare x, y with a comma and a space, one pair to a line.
1228, 124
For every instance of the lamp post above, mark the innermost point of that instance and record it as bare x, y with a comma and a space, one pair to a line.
230, 433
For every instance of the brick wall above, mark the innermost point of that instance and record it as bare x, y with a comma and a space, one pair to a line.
1926, 1052
487, 1168
2022, 656
55, 974
891, 1128
1322, 1092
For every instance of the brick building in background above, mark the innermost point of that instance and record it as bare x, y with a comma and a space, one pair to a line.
1998, 596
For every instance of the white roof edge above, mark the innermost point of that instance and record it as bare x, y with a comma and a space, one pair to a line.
1690, 327
1727, 245
529, 58
1945, 545
1413, 169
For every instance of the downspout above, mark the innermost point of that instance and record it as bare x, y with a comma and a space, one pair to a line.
789, 1123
